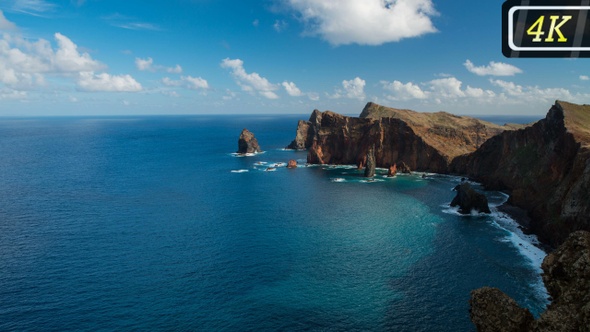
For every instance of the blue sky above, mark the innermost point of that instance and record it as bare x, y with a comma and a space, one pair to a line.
103, 57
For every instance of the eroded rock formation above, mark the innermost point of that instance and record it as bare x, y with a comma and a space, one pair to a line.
247, 143
370, 168
467, 199
567, 278
422, 141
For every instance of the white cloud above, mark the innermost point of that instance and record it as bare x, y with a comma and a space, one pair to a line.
366, 22
144, 64
5, 24
68, 59
250, 82
196, 83
189, 82
401, 91
535, 94
148, 65
292, 89
280, 25
447, 88
493, 69
89, 81
9, 94
354, 89
438, 90
584, 78
174, 70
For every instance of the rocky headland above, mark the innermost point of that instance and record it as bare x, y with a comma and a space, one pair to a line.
416, 141
545, 167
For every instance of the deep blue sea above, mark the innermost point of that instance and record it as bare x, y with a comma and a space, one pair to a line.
151, 223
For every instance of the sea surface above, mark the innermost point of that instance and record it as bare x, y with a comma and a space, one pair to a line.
152, 223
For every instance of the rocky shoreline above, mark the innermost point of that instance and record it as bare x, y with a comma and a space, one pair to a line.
544, 168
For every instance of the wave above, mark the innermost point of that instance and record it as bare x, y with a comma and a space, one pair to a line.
239, 171
242, 155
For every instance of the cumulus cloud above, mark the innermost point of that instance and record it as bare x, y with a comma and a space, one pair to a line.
250, 82
354, 89
535, 94
438, 90
292, 89
5, 24
25, 63
148, 65
367, 22
103, 82
584, 78
493, 69
400, 91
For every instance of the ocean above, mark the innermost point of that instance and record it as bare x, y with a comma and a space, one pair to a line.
152, 223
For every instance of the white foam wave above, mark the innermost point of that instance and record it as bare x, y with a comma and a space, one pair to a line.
338, 179
242, 155
371, 180
239, 171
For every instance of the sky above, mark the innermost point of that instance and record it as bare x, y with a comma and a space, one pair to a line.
113, 57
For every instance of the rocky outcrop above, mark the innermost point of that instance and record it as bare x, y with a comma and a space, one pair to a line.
467, 199
545, 167
392, 171
370, 168
404, 168
292, 163
247, 143
567, 278
423, 141
494, 311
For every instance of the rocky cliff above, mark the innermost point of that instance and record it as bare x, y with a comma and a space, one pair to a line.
247, 143
423, 141
545, 167
567, 278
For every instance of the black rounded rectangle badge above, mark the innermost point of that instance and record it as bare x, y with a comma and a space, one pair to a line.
546, 29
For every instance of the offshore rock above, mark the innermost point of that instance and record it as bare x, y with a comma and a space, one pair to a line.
545, 167
292, 163
392, 171
494, 311
370, 168
422, 141
567, 278
468, 199
247, 143
404, 168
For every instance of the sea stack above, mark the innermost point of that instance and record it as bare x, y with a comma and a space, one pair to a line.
370, 167
468, 199
247, 143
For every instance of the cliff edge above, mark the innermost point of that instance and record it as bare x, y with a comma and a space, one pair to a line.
423, 141
545, 167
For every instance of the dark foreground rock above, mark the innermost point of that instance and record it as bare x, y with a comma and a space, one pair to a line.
567, 278
494, 311
247, 143
467, 199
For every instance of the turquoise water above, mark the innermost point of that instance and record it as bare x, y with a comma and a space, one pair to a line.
150, 223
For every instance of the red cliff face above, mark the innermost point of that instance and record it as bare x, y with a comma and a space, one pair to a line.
546, 167
423, 141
